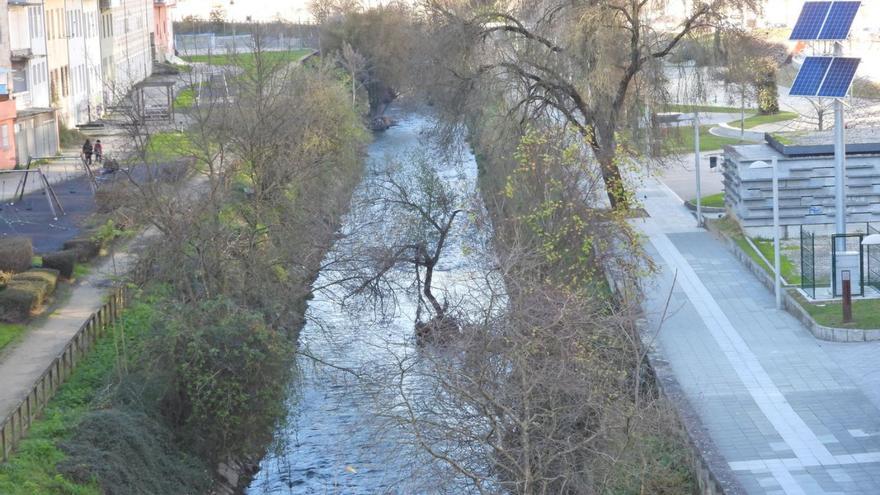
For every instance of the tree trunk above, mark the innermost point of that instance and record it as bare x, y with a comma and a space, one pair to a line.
429, 274
605, 150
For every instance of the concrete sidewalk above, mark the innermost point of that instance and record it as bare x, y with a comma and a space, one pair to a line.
787, 413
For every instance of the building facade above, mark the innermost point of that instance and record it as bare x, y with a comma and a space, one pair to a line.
36, 126
806, 182
125, 45
7, 104
162, 35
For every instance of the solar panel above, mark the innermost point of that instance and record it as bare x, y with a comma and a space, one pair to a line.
839, 21
839, 77
810, 77
810, 21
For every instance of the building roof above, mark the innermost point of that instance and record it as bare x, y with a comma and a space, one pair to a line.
752, 152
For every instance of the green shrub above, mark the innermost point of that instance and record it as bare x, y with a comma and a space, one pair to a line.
129, 452
226, 375
48, 275
16, 254
63, 261
22, 298
85, 249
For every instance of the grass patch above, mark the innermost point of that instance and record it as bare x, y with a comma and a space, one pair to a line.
683, 139
787, 266
678, 107
185, 100
9, 332
164, 146
712, 200
866, 313
756, 120
80, 270
32, 468
246, 60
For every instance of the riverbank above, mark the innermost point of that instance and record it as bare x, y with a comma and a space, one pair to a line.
200, 382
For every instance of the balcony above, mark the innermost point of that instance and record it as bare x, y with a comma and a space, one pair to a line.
21, 54
108, 4
24, 3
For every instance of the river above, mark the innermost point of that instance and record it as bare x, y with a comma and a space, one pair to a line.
334, 440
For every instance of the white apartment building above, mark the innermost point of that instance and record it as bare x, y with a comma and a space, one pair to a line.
36, 127
84, 58
126, 54
30, 67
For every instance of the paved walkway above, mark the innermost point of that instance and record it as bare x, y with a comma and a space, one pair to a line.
22, 363
788, 414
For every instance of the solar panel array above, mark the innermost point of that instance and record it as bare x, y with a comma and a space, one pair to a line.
839, 77
825, 20
839, 20
810, 21
828, 77
810, 77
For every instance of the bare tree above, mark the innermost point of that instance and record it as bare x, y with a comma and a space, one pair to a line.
576, 60
354, 64
420, 209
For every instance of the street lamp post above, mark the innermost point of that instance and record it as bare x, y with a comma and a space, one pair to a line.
778, 275
697, 167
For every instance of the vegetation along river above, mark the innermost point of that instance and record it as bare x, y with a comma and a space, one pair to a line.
343, 434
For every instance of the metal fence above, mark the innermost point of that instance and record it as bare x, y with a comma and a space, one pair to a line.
209, 43
808, 262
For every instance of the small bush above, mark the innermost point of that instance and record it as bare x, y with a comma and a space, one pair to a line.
48, 275
21, 299
63, 261
16, 254
85, 249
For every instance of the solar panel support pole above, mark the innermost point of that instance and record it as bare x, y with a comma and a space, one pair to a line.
697, 167
839, 160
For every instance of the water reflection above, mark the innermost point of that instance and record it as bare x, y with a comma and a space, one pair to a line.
335, 440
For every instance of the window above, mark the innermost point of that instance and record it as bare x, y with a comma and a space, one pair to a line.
4, 136
19, 81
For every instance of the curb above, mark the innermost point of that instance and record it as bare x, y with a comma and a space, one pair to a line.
705, 209
790, 304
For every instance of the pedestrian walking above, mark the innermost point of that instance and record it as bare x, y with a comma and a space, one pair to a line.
87, 152
99, 151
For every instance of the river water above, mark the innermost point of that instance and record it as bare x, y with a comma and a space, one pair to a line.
334, 439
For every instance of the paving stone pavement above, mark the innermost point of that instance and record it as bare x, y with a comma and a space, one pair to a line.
789, 414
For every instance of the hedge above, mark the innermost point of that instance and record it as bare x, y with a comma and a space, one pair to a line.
63, 261
48, 275
85, 249
21, 298
16, 254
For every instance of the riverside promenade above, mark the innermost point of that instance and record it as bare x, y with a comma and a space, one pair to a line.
787, 414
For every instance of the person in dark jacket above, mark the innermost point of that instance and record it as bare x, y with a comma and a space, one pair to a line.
87, 152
